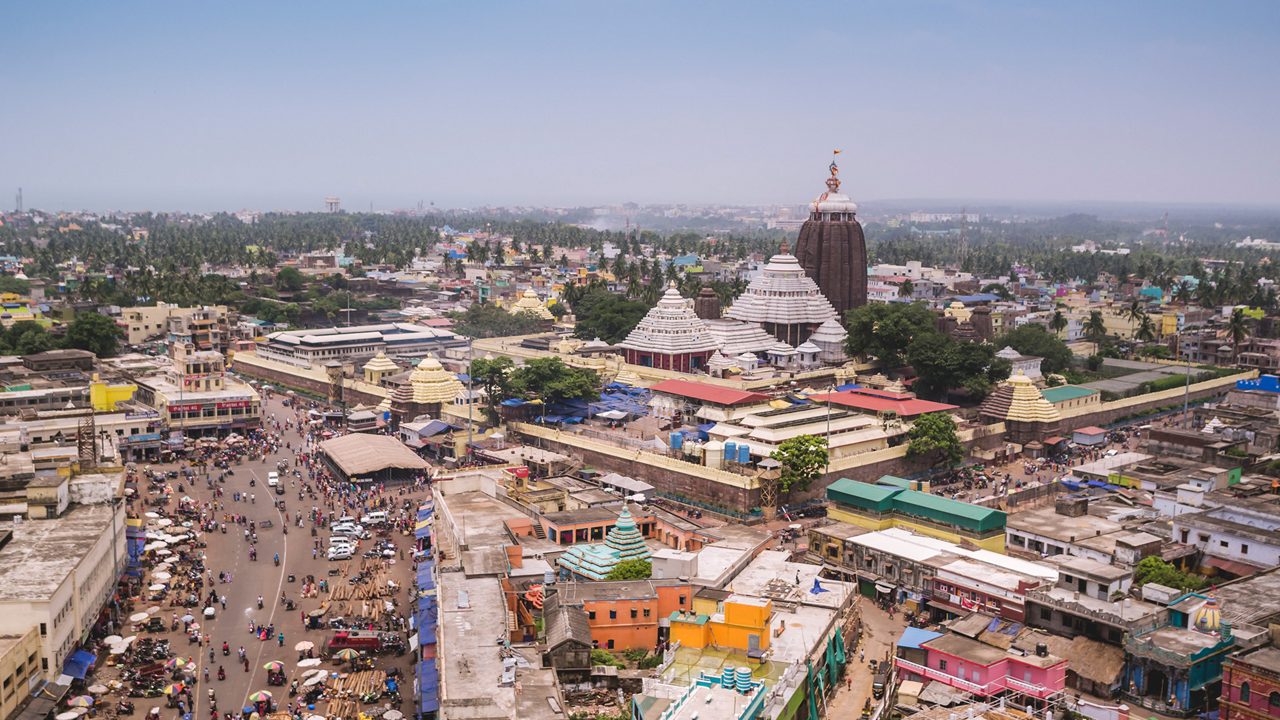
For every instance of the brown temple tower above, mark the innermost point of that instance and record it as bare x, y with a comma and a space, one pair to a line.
832, 249
707, 304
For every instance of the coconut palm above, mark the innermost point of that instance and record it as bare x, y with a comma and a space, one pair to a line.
1182, 293
1058, 322
1146, 331
1095, 328
1238, 331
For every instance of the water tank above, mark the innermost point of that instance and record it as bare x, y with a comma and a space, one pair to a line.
549, 577
744, 454
730, 450
727, 677
1042, 650
677, 440
744, 679
714, 454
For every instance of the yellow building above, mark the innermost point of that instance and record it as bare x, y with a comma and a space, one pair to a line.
104, 397
19, 663
742, 624
880, 507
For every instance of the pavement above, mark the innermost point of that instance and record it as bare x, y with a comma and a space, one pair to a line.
879, 632
229, 553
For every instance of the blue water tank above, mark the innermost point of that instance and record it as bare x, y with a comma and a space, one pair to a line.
744, 679
744, 454
730, 450
727, 677
677, 440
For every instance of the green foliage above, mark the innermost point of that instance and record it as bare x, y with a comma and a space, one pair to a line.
943, 364
803, 459
1155, 570
494, 376
609, 316
933, 436
1095, 328
550, 380
998, 289
558, 309
650, 662
11, 284
1155, 351
484, 320
93, 332
1093, 362
633, 569
604, 657
887, 330
1034, 340
290, 278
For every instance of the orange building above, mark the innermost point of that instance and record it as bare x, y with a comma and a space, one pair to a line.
624, 615
741, 624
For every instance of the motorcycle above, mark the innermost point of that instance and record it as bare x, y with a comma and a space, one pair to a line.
124, 707
222, 674
277, 559
226, 649
260, 601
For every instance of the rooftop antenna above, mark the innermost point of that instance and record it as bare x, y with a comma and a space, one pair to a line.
19, 199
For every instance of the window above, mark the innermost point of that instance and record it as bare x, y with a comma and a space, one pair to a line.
609, 644
591, 614
646, 612
43, 630
1045, 613
682, 600
942, 665
633, 613
613, 615
1244, 692
1204, 537
1244, 549
1223, 543
1274, 700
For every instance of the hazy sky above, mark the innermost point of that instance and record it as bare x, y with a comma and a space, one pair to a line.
273, 105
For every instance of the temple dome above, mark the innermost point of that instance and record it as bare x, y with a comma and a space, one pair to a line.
381, 363
670, 328
431, 383
529, 302
782, 295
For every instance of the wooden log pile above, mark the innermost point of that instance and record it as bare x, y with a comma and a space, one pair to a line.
345, 693
364, 599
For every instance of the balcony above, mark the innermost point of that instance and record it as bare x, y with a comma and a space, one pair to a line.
994, 687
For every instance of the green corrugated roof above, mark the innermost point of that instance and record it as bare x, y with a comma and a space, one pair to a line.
863, 495
1066, 392
974, 517
894, 481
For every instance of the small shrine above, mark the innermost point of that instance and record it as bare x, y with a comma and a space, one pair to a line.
594, 561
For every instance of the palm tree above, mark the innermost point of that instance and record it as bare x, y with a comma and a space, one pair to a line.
1146, 331
1058, 322
1095, 328
1237, 330
1134, 311
1183, 293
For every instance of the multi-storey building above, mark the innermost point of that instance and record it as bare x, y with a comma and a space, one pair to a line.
1251, 686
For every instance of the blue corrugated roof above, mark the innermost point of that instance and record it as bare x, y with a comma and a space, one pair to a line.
912, 637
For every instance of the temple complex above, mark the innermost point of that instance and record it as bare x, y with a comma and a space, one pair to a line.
1027, 416
594, 561
707, 304
429, 387
784, 301
832, 249
670, 337
530, 303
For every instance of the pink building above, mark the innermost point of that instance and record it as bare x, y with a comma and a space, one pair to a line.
986, 670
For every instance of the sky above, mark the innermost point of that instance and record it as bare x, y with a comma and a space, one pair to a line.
273, 106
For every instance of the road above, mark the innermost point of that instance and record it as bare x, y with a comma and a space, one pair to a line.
229, 553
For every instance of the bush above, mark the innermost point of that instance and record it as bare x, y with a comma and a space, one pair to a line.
650, 662
604, 657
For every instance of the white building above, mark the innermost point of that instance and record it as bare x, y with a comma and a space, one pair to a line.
1240, 534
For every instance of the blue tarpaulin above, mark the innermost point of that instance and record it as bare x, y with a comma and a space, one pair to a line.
426, 579
512, 402
426, 512
77, 666
913, 636
428, 686
424, 531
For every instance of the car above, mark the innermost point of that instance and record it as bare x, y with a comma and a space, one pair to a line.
279, 489
273, 478
339, 553
345, 520
342, 540
350, 530
374, 518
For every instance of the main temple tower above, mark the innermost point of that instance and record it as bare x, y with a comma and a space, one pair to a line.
832, 249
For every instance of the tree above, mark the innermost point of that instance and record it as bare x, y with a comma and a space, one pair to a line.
604, 657
93, 332
633, 569
886, 330
1058, 322
484, 320
1156, 570
1034, 340
906, 289
599, 313
942, 364
1237, 330
1135, 311
290, 278
933, 436
11, 284
1095, 328
1183, 293
803, 459
493, 374
999, 290
550, 380
1146, 331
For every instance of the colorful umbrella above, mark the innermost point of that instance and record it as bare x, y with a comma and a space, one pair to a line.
347, 654
274, 666
80, 701
176, 662
260, 696
173, 689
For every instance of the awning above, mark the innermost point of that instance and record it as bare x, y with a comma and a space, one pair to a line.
77, 666
1234, 567
422, 530
883, 588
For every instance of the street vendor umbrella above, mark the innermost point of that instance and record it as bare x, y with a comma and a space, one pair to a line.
161, 575
156, 588
112, 639
309, 662
119, 649
80, 701
138, 617
315, 679
175, 662
316, 717
173, 689
262, 696
187, 618
164, 551
153, 610
152, 515
68, 715
128, 640
347, 654
313, 671
304, 646
97, 689
164, 522
316, 613
274, 666
392, 715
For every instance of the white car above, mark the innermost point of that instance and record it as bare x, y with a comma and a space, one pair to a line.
339, 553
273, 478
349, 530
374, 518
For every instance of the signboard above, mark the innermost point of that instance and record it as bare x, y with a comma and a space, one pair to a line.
186, 408
233, 405
139, 414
